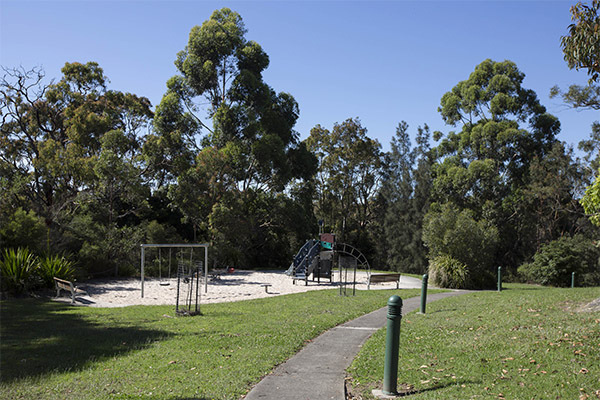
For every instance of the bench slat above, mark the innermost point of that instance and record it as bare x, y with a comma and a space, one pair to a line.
378, 278
62, 284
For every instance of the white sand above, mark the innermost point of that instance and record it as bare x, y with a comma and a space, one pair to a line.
240, 285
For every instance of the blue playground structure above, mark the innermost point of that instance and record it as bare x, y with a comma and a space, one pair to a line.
320, 257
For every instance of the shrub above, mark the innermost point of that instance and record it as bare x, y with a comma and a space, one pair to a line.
23, 229
55, 266
107, 251
156, 232
554, 263
448, 231
18, 270
447, 272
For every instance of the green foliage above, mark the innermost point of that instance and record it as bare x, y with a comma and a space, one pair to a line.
591, 201
557, 260
464, 241
55, 266
23, 229
500, 164
591, 198
71, 148
405, 193
581, 97
447, 272
546, 205
110, 250
161, 233
491, 135
493, 92
18, 270
229, 183
348, 180
591, 148
581, 47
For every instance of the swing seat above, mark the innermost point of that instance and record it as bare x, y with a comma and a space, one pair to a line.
165, 283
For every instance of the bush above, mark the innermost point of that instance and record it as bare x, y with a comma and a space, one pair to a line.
156, 232
21, 270
55, 266
447, 272
457, 235
24, 229
18, 270
554, 263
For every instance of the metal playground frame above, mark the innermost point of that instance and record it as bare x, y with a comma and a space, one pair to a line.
184, 245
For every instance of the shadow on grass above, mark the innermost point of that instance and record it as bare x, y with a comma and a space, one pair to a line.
40, 337
402, 392
529, 287
444, 310
191, 398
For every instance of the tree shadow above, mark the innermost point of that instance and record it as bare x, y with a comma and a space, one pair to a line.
39, 337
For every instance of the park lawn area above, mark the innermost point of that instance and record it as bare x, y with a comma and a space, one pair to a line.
51, 350
526, 342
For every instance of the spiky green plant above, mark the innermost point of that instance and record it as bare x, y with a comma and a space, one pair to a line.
55, 266
18, 270
447, 272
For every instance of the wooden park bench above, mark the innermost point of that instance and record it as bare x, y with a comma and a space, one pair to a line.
379, 278
62, 284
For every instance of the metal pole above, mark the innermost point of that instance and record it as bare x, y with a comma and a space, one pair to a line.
354, 284
390, 371
424, 293
341, 273
573, 279
206, 269
142, 272
179, 266
197, 272
499, 279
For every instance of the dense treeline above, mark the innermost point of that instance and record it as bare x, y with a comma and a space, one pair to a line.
91, 173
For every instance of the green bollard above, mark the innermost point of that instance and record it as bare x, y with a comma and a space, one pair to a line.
573, 279
424, 293
499, 279
392, 343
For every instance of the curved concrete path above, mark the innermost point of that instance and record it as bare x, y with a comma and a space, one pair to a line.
317, 371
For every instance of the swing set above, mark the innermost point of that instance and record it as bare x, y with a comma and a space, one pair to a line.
196, 266
160, 279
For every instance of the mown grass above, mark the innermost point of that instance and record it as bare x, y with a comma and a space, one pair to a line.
525, 342
55, 351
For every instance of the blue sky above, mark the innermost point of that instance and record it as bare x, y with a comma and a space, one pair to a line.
383, 62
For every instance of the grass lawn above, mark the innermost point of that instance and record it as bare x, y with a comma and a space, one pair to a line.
51, 350
526, 342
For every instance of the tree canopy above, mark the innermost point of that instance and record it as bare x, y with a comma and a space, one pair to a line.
235, 167
92, 172
72, 146
581, 46
496, 167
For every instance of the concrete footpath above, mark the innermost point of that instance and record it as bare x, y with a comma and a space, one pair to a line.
317, 371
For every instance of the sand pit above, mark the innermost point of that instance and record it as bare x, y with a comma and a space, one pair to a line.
240, 285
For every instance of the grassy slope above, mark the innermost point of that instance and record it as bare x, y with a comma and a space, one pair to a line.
523, 343
55, 351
